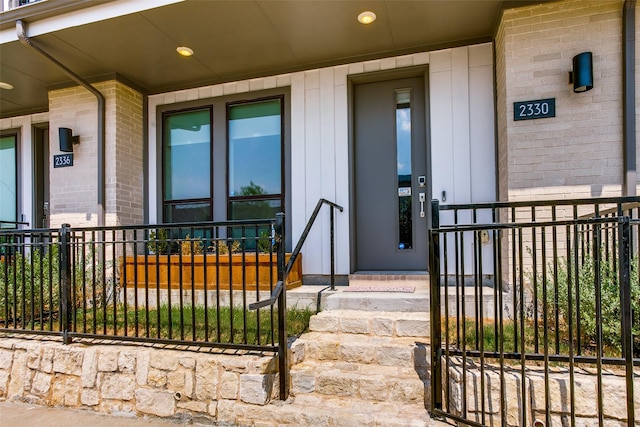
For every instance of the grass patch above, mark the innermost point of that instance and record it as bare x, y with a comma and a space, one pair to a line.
488, 336
223, 325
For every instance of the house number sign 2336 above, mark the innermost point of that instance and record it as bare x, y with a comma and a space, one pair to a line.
63, 160
538, 109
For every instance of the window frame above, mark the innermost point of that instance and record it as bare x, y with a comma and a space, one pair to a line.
280, 197
16, 137
219, 158
163, 173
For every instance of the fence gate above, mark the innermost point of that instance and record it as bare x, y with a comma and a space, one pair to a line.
535, 313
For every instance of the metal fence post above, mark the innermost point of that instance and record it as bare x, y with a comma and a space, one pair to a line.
65, 283
436, 330
624, 272
283, 359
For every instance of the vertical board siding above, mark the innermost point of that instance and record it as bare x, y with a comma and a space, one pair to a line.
320, 138
327, 157
313, 175
461, 137
297, 217
441, 110
341, 129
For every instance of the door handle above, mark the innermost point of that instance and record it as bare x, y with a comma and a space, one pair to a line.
423, 199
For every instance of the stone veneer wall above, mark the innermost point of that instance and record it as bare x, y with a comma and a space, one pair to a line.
142, 381
585, 385
134, 380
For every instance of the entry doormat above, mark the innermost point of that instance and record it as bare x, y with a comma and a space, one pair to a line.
405, 289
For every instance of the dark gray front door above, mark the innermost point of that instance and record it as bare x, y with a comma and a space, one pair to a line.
390, 151
41, 176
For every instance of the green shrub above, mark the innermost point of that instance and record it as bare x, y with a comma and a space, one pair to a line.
191, 246
609, 296
29, 286
159, 241
265, 242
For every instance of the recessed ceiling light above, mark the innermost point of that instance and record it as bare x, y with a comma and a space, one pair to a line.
4, 85
184, 51
366, 17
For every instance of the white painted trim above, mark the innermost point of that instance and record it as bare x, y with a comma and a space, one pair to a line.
85, 16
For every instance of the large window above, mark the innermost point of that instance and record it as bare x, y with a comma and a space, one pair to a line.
224, 160
255, 159
187, 172
8, 181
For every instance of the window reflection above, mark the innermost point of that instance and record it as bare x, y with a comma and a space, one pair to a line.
403, 157
187, 166
255, 149
8, 181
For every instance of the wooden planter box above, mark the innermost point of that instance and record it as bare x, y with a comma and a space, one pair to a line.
163, 271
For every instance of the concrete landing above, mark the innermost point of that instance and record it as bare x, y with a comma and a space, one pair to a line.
319, 298
417, 301
417, 279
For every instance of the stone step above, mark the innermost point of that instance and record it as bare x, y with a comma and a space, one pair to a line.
374, 350
376, 323
371, 383
325, 411
417, 301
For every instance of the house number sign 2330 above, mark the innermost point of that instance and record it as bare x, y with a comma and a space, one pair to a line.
538, 109
63, 160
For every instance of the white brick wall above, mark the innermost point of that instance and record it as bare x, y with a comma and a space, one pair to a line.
578, 153
125, 185
74, 189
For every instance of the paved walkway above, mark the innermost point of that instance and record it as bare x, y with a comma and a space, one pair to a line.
17, 414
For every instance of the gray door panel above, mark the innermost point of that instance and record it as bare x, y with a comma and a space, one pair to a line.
378, 241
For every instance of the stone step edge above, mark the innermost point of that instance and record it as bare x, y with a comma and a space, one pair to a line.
407, 353
422, 362
352, 338
355, 405
295, 414
364, 396
374, 314
378, 324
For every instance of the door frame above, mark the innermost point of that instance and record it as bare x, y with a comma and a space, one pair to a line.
379, 76
41, 149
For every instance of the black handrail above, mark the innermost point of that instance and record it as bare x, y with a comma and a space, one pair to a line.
279, 294
268, 302
305, 233
278, 289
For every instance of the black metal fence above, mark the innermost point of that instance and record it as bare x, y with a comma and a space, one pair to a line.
171, 283
542, 323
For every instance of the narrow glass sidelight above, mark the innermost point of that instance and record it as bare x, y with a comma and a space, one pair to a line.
403, 160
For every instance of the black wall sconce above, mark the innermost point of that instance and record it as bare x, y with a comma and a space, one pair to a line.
67, 140
582, 74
